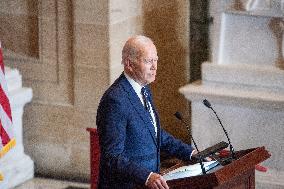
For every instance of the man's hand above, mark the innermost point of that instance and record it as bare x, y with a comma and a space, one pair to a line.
156, 181
194, 152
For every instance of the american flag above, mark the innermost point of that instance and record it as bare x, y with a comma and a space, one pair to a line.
7, 140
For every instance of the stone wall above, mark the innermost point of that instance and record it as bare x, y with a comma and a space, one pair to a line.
71, 54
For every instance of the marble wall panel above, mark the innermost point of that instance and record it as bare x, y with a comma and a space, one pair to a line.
48, 42
121, 10
91, 12
50, 74
80, 162
90, 84
19, 33
18, 7
82, 120
48, 9
116, 71
45, 136
91, 45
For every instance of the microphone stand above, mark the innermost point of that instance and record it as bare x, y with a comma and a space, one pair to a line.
208, 105
199, 157
178, 115
232, 151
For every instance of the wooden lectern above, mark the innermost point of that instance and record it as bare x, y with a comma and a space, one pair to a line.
239, 174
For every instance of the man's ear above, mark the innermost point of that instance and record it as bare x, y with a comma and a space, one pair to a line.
128, 65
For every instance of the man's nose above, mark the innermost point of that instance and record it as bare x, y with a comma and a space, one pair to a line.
154, 66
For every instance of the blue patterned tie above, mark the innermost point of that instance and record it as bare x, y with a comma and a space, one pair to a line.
146, 99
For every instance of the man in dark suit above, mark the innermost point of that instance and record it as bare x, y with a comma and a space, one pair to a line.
128, 125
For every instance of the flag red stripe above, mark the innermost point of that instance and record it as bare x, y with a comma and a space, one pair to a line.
5, 108
4, 136
4, 101
1, 61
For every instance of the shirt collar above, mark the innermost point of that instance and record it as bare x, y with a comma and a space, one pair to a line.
136, 86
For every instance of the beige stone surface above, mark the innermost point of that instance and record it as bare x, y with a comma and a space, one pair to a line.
48, 48
90, 83
116, 71
91, 45
80, 161
47, 9
91, 12
45, 137
21, 32
19, 7
59, 144
121, 10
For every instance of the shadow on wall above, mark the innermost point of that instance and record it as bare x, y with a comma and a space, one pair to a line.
166, 22
19, 32
199, 36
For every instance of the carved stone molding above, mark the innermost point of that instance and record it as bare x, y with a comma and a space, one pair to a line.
50, 74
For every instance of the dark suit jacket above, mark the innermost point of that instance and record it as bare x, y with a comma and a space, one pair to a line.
129, 148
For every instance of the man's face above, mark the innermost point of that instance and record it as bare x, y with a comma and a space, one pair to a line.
145, 67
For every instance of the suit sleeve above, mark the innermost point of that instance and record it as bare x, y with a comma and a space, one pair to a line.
175, 147
112, 123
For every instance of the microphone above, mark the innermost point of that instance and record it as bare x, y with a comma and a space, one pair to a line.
208, 105
179, 116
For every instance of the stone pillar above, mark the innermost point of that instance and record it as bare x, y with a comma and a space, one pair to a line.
16, 166
244, 84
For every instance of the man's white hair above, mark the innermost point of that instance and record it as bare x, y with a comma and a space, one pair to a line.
132, 47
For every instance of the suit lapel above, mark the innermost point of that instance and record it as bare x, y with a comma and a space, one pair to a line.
139, 108
157, 118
